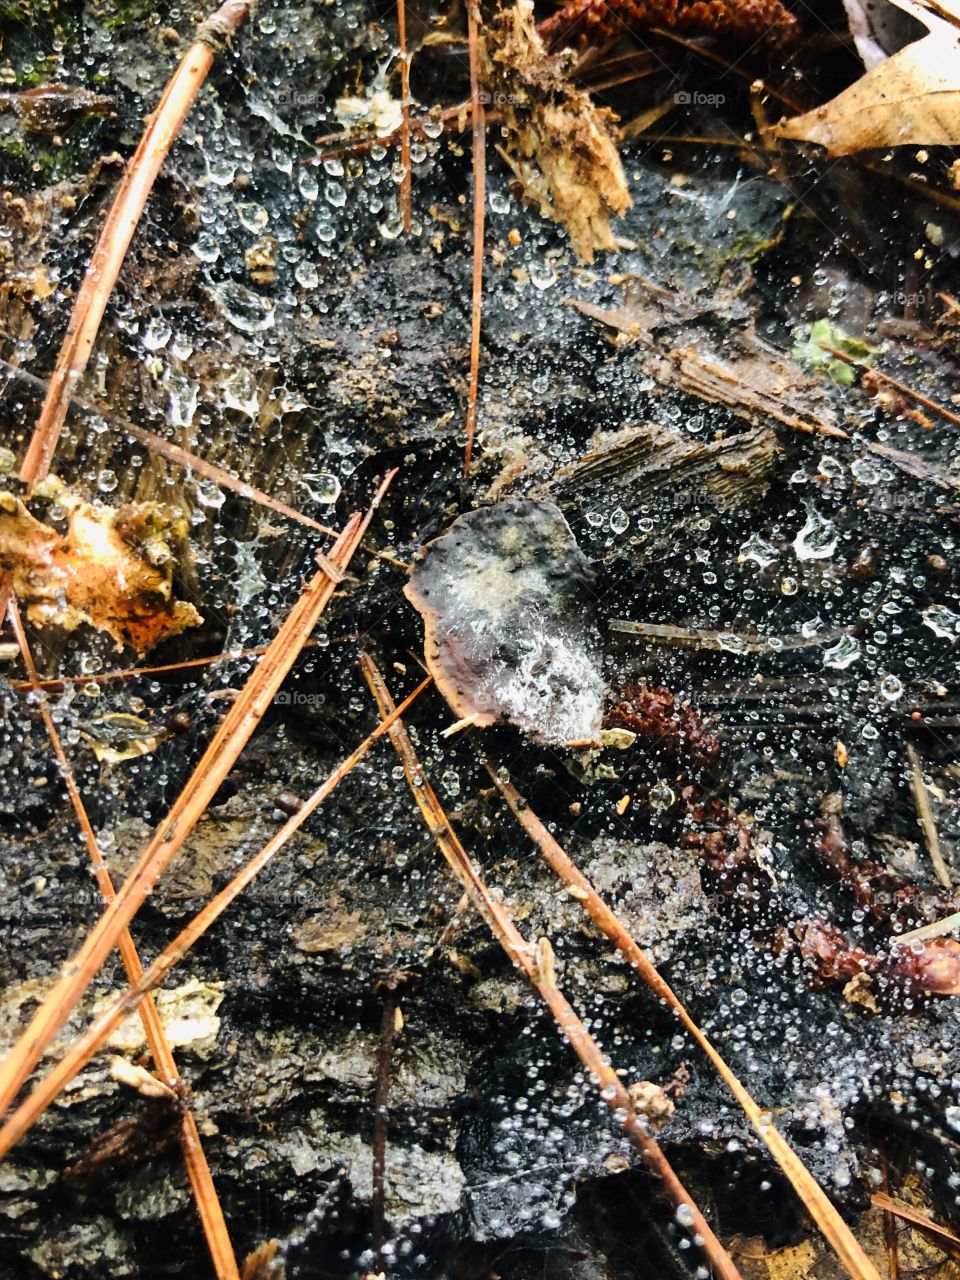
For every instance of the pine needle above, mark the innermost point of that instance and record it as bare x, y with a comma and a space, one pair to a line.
118, 229
198, 1171
831, 1225
406, 184
217, 761
86, 1045
529, 960
479, 211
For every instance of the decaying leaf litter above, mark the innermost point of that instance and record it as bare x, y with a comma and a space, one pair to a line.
274, 319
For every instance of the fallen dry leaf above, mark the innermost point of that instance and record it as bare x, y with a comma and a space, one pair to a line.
113, 568
505, 599
559, 144
911, 99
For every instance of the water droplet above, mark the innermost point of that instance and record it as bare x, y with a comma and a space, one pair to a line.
660, 796
307, 183
685, 1215
864, 472
336, 194
391, 227
891, 688
156, 335
732, 643
843, 654
239, 390
252, 216
220, 170
245, 310
788, 587
206, 247
181, 400
817, 540
210, 495
619, 521
762, 553
321, 486
107, 481
831, 467
942, 621
306, 274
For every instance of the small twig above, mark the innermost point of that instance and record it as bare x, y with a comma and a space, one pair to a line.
925, 817
530, 961
459, 725
941, 1236
208, 1204
118, 229
406, 184
217, 761
700, 638
188, 664
936, 929
86, 1045
889, 1228
388, 1036
479, 212
834, 1229
933, 405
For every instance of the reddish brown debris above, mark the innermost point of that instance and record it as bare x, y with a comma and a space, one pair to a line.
583, 22
890, 900
920, 969
726, 848
676, 732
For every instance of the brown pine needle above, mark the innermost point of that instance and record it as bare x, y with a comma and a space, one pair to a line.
917, 396
172, 452
217, 761
406, 185
528, 960
479, 211
118, 229
198, 1171
832, 1226
86, 1045
928, 823
942, 1236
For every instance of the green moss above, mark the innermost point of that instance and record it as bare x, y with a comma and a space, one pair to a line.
809, 350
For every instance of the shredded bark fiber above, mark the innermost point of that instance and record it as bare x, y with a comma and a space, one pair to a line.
560, 145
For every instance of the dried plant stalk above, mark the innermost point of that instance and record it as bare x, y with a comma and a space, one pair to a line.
530, 961
479, 213
928, 824
216, 762
86, 1045
832, 1226
121, 222
406, 184
201, 1181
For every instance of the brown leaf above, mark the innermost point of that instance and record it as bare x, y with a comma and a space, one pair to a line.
505, 595
911, 99
112, 569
